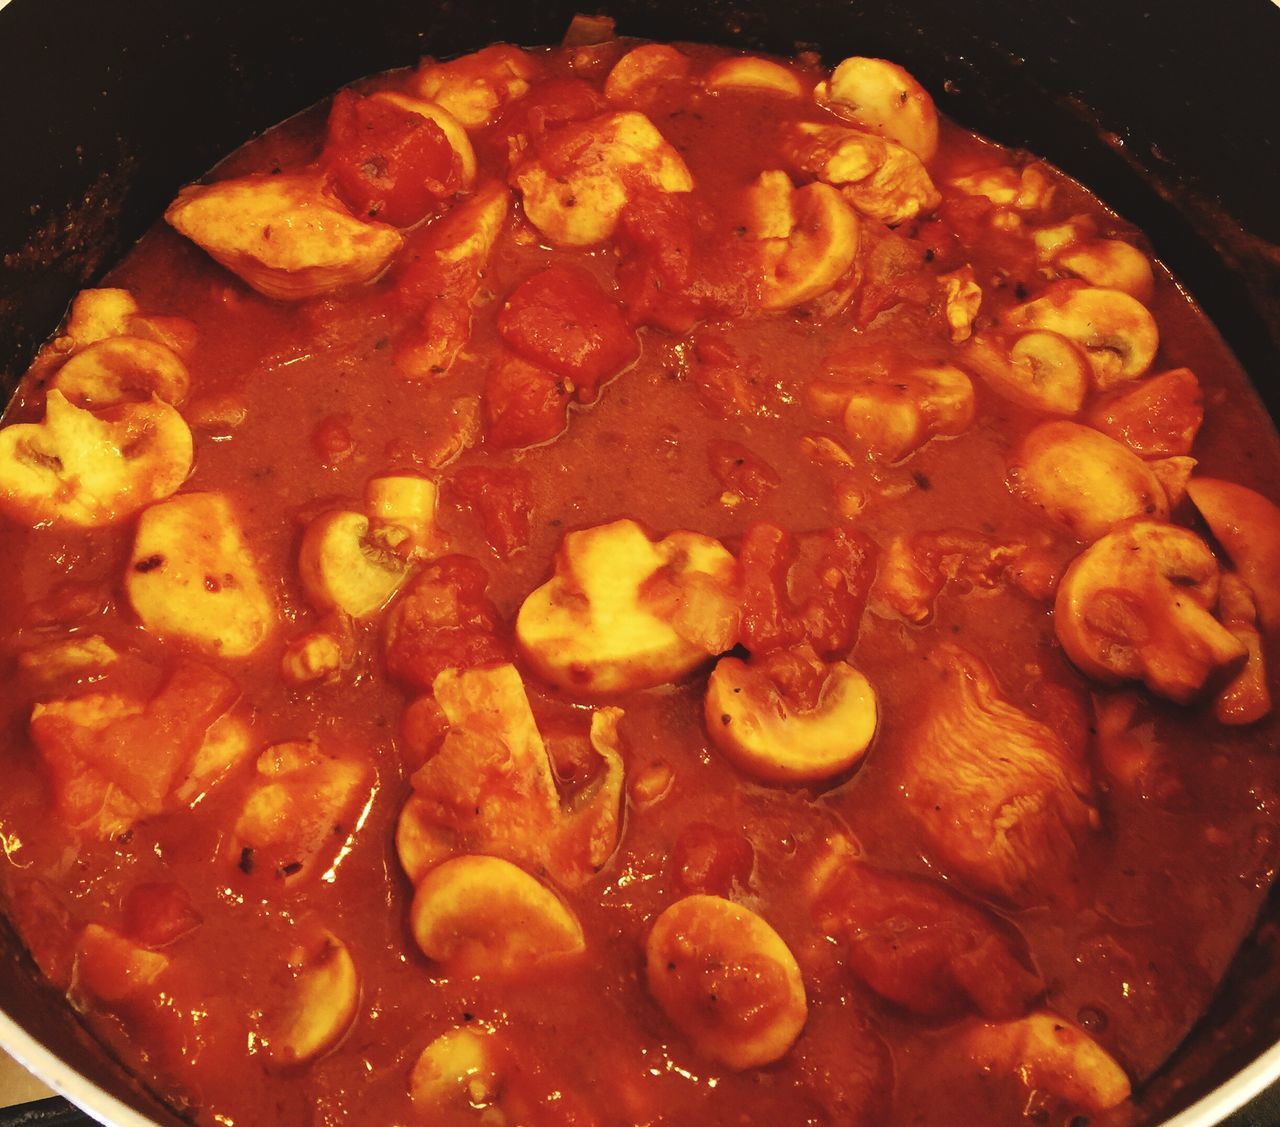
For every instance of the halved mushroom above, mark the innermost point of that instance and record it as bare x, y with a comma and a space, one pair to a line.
192, 575
458, 1071
283, 235
1247, 525
90, 469
882, 180
642, 72
1083, 479
807, 238
320, 1000
1001, 800
577, 181
623, 612
1246, 698
1040, 370
122, 368
750, 72
480, 916
789, 717
726, 980
475, 88
1136, 607
1050, 1054
111, 968
344, 568
886, 99
1116, 331
1109, 264
1157, 417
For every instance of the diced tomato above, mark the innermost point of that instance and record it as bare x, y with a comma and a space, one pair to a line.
737, 468
503, 499
388, 162
727, 384
1157, 417
894, 271
444, 620
923, 947
811, 587
711, 859
562, 320
157, 913
523, 404
552, 104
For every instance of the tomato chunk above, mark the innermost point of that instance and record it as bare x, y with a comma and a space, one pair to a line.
523, 404
551, 104
388, 162
562, 320
711, 859
158, 913
502, 499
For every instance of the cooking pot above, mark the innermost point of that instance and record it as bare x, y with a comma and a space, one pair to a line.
1168, 115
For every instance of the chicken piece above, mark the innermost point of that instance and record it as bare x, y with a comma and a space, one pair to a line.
576, 182
1157, 417
1001, 800
1109, 264
1246, 699
449, 125
489, 788
914, 572
882, 180
884, 98
1084, 480
318, 655
445, 279
112, 970
344, 566
640, 76
1136, 607
750, 72
962, 299
807, 238
890, 415
726, 980
191, 575
623, 612
482, 916
320, 1001
788, 717
91, 469
1247, 525
1117, 333
402, 513
123, 368
476, 88
283, 235
1050, 1054
915, 942
1040, 370
299, 811
459, 1071
1026, 189
80, 657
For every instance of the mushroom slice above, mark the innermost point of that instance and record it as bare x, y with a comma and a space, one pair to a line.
320, 1000
749, 72
192, 575
577, 181
1050, 1054
111, 969
458, 1071
1157, 417
123, 368
283, 235
476, 88
1000, 798
1109, 264
1136, 607
789, 717
1247, 525
623, 612
882, 180
1246, 699
639, 76
480, 915
1084, 480
886, 99
727, 980
1040, 370
88, 469
807, 237
449, 125
1116, 331
343, 568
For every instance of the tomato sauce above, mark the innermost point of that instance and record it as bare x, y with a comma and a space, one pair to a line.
635, 377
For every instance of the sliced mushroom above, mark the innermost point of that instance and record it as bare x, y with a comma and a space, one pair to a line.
755, 720
1050, 1054
726, 980
1084, 480
112, 969
1040, 370
320, 1001
122, 368
343, 568
475, 88
624, 612
575, 185
1246, 698
191, 575
1136, 607
1116, 331
283, 235
1109, 264
749, 72
480, 916
458, 1071
1247, 525
886, 99
639, 76
88, 469
807, 238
